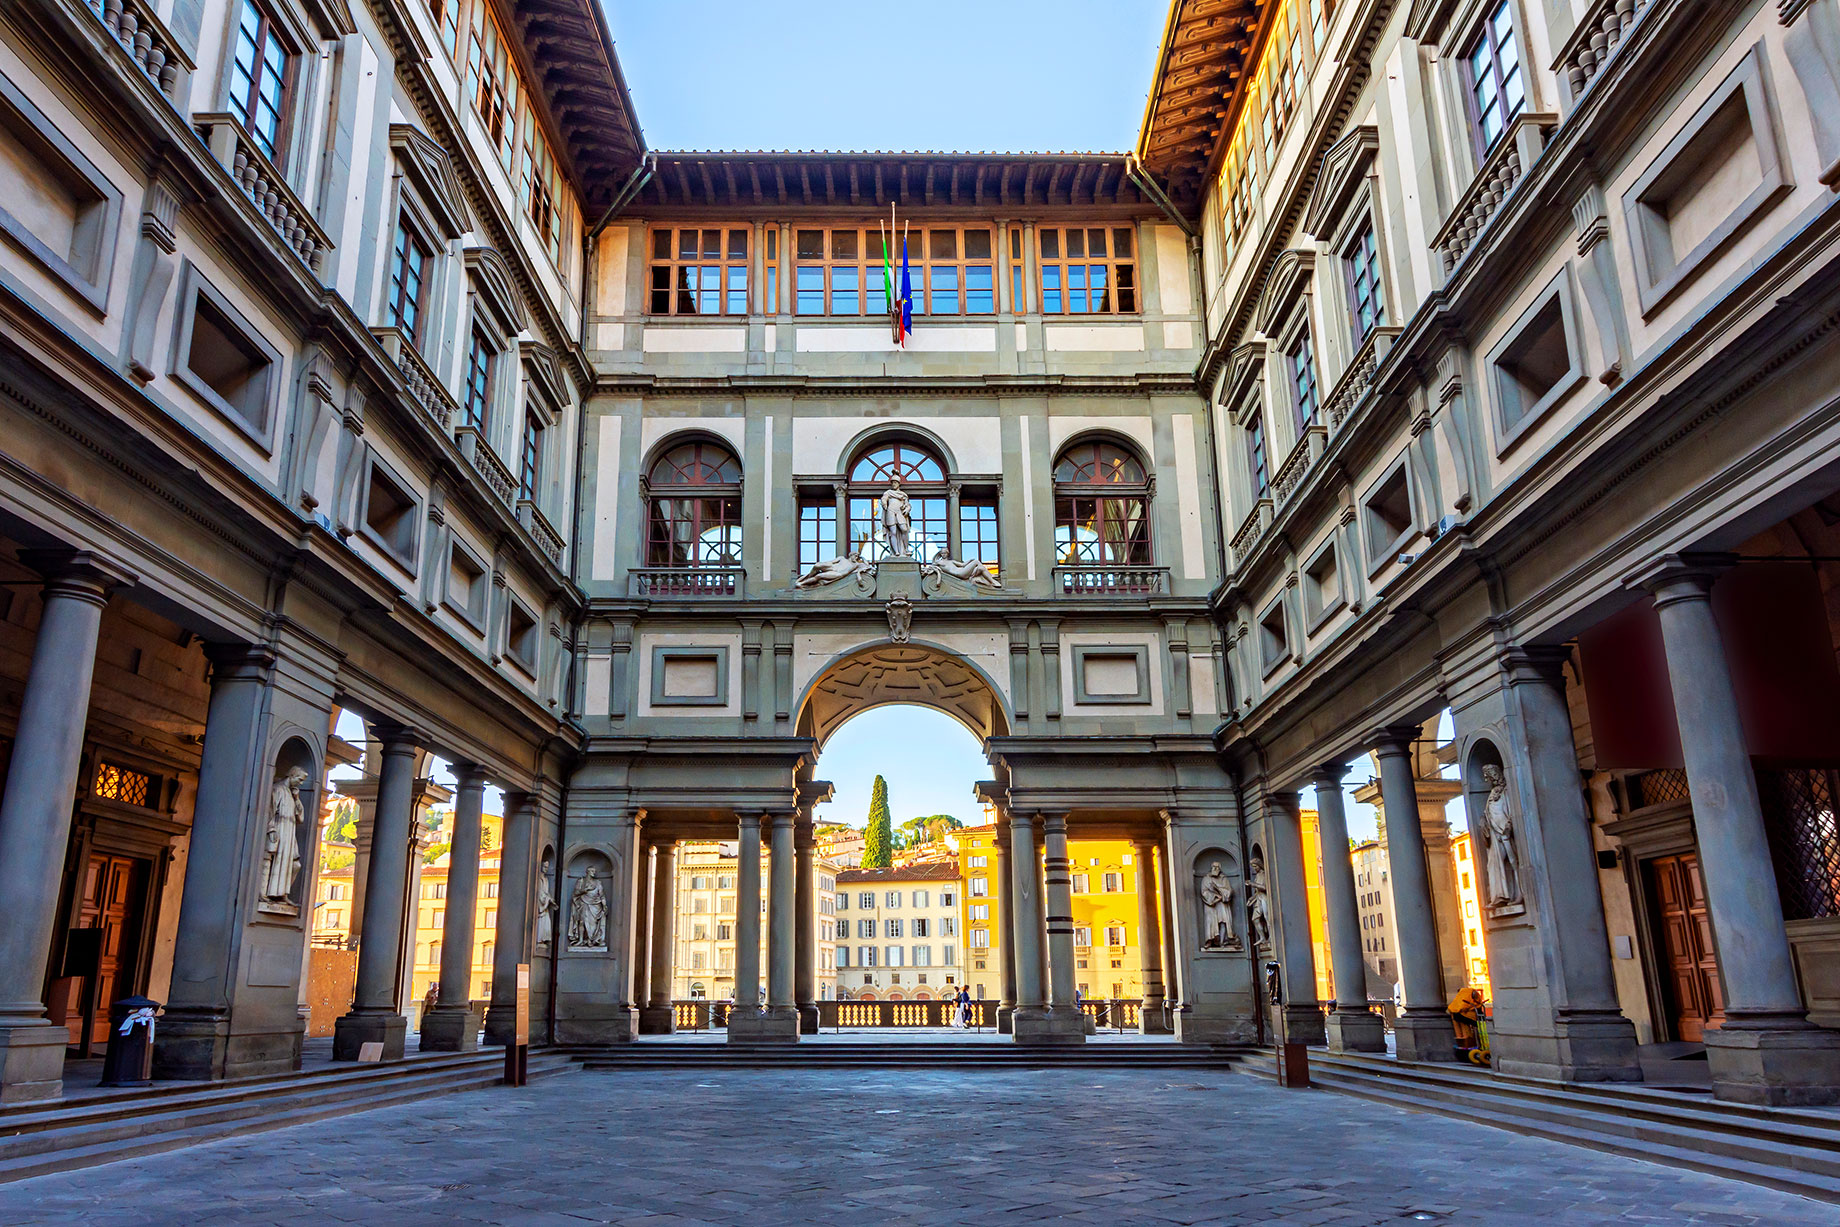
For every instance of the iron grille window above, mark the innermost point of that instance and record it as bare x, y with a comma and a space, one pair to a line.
259, 72
1101, 506
1367, 300
1255, 455
408, 270
1665, 787
1303, 379
478, 381
114, 783
695, 508
1497, 88
1798, 814
699, 271
1087, 270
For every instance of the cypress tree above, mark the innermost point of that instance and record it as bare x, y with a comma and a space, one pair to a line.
878, 847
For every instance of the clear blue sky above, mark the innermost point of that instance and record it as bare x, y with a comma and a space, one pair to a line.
929, 759
1009, 75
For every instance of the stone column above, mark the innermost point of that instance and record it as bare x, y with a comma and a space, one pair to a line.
193, 1037
782, 927
1302, 1014
375, 1014
1005, 935
747, 1021
1058, 874
641, 938
1351, 1027
657, 1016
1423, 1031
511, 943
805, 909
41, 788
1165, 895
1766, 1051
1025, 924
1150, 1019
453, 1025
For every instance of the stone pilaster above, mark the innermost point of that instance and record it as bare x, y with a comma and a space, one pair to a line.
658, 1016
511, 943
1150, 1020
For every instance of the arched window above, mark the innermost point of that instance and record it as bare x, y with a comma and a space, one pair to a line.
923, 478
1101, 512
694, 507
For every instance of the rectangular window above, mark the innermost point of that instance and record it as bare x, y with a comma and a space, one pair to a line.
977, 535
843, 956
865, 900
1255, 455
1366, 298
1302, 363
920, 898
1114, 935
1087, 270
1079, 884
446, 14
865, 928
894, 898
492, 82
948, 926
920, 927
540, 186
946, 898
1114, 882
843, 903
897, 956
699, 270
923, 956
725, 931
891, 928
530, 457
1015, 272
259, 71
478, 400
408, 270
980, 888
950, 270
1497, 91
817, 531
1082, 936
980, 939
980, 911
977, 862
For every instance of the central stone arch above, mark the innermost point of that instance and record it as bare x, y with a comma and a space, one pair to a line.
882, 674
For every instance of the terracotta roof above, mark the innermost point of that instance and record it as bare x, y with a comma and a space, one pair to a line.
1208, 49
943, 871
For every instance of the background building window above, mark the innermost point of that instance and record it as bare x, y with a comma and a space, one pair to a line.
699, 271
1087, 270
259, 71
1101, 506
694, 520
1497, 90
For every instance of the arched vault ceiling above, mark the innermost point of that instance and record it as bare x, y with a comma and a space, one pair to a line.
901, 674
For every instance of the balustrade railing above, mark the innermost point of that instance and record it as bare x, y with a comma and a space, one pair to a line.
1100, 579
1108, 1014
540, 529
1495, 181
1358, 379
1593, 42
493, 471
1250, 530
147, 41
1290, 473
686, 581
265, 186
424, 388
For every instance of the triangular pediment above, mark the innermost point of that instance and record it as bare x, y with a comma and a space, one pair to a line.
429, 167
1344, 168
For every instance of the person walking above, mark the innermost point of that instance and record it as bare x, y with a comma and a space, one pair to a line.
964, 1006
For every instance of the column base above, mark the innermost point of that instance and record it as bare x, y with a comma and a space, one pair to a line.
32, 1061
1585, 1046
1006, 1020
1214, 1025
1424, 1034
201, 1045
808, 1018
358, 1028
1303, 1024
779, 1025
1150, 1018
597, 1024
1788, 1065
657, 1019
501, 1023
1033, 1026
451, 1028
1355, 1031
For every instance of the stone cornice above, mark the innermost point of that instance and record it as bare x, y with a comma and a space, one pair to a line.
1173, 383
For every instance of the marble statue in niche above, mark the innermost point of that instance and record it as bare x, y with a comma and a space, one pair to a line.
281, 842
972, 571
1258, 901
546, 906
1217, 928
588, 914
823, 574
897, 520
1498, 829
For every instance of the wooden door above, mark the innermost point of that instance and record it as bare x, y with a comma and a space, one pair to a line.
1690, 964
114, 895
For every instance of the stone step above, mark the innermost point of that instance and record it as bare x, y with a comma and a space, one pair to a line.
887, 1055
170, 1126
1701, 1137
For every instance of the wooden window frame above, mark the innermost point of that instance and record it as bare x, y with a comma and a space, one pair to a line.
672, 264
1300, 360
1062, 261
1258, 454
530, 455
694, 494
498, 91
868, 270
267, 31
1361, 268
540, 187
1139, 550
1482, 146
408, 232
478, 380
929, 496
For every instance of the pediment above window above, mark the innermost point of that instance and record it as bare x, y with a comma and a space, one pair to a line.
428, 167
496, 288
1345, 168
1244, 369
1290, 277
544, 369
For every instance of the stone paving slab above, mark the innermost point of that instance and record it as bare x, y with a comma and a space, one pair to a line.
816, 1146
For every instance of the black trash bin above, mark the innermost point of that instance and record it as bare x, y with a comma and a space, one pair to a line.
129, 1061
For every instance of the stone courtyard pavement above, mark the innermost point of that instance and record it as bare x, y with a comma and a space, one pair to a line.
872, 1147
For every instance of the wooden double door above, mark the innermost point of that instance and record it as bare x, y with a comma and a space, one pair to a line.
111, 923
1688, 957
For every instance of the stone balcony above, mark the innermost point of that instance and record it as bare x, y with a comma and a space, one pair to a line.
1595, 39
1500, 173
152, 47
265, 186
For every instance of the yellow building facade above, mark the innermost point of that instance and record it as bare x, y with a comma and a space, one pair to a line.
1475, 954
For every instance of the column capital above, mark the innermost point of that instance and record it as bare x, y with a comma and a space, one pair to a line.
1394, 739
396, 738
1680, 577
248, 662
1329, 775
468, 775
1288, 799
1536, 664
752, 818
82, 575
